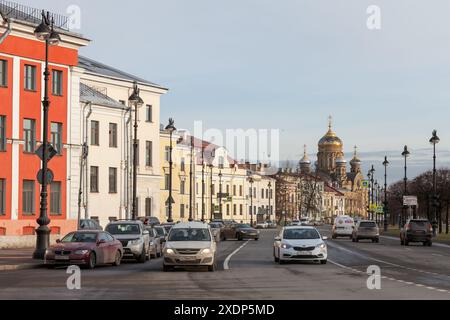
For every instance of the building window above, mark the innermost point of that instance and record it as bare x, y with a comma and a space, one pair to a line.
30, 78
56, 136
183, 165
112, 180
148, 207
95, 131
240, 191
221, 162
29, 135
57, 81
166, 181
2, 197
149, 153
149, 113
181, 210
113, 135
167, 153
28, 197
262, 193
241, 209
228, 209
234, 190
3, 73
2, 133
182, 187
55, 198
94, 179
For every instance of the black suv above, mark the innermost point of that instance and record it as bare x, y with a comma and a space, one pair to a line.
416, 230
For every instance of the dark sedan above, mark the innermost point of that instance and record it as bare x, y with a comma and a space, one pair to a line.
86, 248
239, 231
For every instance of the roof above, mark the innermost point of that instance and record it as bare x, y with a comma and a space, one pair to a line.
108, 71
195, 225
91, 95
203, 145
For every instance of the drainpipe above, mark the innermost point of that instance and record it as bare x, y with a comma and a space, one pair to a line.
83, 163
8, 28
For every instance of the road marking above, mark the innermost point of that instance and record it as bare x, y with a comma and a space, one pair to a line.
227, 260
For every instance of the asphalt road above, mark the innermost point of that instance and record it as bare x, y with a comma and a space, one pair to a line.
414, 272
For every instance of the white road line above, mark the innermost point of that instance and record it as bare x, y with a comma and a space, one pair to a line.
227, 260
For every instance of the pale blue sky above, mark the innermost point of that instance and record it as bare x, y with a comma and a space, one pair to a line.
287, 64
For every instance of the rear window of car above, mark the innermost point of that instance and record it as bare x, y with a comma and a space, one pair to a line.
419, 223
123, 228
160, 231
367, 224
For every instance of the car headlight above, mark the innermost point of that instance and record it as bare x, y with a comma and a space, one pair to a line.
49, 251
243, 231
135, 242
169, 251
286, 246
321, 246
206, 251
81, 252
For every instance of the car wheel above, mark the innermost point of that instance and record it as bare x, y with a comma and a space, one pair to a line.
275, 257
402, 243
377, 240
239, 237
356, 240
167, 268
212, 267
333, 236
256, 239
116, 262
406, 242
158, 253
92, 260
323, 261
142, 257
281, 261
353, 239
430, 243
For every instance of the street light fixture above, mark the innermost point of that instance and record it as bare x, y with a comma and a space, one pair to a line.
171, 128
44, 32
269, 185
372, 172
250, 180
385, 204
211, 190
203, 185
136, 101
220, 194
435, 140
405, 154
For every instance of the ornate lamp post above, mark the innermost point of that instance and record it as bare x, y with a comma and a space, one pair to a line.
220, 194
171, 128
203, 185
376, 200
269, 185
435, 140
368, 195
405, 154
136, 102
385, 204
191, 183
211, 190
44, 32
372, 172
250, 180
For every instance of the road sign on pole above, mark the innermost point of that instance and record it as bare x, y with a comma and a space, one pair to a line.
49, 176
51, 152
365, 183
409, 201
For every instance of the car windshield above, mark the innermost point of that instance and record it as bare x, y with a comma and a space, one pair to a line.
160, 231
301, 234
80, 237
419, 223
215, 225
243, 225
123, 228
367, 224
189, 234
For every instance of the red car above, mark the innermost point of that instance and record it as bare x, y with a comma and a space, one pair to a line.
87, 248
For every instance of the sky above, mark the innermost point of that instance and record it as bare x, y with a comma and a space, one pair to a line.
288, 65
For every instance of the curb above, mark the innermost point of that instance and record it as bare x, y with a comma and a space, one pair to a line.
27, 266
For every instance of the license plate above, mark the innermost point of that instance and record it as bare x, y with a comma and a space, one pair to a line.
63, 258
187, 258
308, 253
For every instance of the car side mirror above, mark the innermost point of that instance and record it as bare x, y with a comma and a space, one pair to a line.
277, 238
324, 238
99, 242
58, 241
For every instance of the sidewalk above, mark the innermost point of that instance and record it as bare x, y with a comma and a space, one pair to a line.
18, 259
395, 232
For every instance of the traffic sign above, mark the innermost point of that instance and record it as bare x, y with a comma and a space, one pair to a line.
365, 183
409, 201
49, 176
51, 152
170, 199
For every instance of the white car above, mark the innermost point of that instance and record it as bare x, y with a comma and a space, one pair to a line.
296, 223
190, 244
343, 227
300, 243
262, 225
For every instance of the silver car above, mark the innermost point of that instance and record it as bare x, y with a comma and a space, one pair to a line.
156, 245
134, 238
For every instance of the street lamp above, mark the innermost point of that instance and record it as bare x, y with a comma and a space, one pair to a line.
435, 140
376, 200
211, 190
171, 128
405, 154
250, 180
269, 185
372, 172
44, 32
136, 101
385, 204
203, 185
220, 194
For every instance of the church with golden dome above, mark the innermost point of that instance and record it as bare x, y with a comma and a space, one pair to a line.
331, 167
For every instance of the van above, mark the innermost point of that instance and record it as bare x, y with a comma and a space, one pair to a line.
343, 227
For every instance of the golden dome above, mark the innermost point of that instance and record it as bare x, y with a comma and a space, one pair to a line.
330, 138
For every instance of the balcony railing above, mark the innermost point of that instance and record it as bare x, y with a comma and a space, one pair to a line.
21, 12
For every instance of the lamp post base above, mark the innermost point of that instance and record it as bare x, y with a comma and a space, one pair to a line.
42, 242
